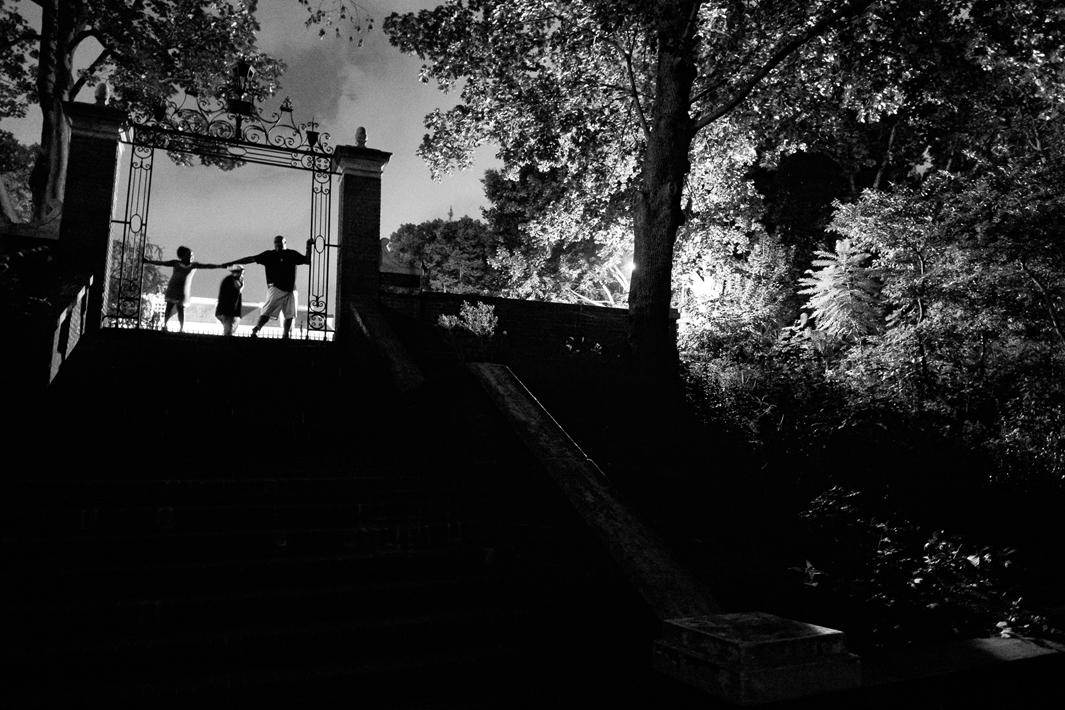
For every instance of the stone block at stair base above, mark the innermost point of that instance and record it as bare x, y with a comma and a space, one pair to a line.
753, 658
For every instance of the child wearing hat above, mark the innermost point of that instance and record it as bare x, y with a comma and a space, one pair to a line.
229, 305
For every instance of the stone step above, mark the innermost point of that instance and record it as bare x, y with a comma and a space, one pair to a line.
188, 655
461, 677
336, 551
137, 519
292, 642
48, 623
297, 486
126, 579
371, 537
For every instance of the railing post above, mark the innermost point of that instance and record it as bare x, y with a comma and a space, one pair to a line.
88, 202
359, 252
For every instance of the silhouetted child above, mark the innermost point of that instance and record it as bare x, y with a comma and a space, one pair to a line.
230, 303
179, 288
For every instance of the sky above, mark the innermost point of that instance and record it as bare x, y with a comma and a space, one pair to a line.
228, 215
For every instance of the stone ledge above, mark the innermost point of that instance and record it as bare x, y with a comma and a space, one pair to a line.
754, 658
958, 657
754, 638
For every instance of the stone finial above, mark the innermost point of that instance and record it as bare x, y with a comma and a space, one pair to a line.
360, 137
103, 94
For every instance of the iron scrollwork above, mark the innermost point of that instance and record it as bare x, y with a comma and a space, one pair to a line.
208, 125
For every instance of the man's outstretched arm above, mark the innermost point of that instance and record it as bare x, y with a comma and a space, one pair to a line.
246, 260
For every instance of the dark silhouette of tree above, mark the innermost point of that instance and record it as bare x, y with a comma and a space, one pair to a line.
454, 254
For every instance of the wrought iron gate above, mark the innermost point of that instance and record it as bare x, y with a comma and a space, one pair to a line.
211, 129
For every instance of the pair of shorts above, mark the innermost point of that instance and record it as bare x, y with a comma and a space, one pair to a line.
278, 301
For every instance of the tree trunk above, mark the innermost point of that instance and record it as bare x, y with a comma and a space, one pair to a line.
656, 432
658, 213
54, 79
7, 208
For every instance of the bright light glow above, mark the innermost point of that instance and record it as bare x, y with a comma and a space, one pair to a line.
703, 287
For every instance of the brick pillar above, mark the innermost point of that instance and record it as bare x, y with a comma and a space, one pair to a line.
359, 257
88, 200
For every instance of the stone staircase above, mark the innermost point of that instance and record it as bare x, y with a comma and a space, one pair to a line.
218, 521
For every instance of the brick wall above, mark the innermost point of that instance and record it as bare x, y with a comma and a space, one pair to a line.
85, 234
530, 334
360, 220
359, 257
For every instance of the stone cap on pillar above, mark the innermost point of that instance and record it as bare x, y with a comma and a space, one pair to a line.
752, 658
356, 160
95, 120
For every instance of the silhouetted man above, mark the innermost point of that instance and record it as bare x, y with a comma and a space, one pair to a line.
281, 295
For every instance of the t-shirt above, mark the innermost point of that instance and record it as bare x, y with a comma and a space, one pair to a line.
230, 302
281, 267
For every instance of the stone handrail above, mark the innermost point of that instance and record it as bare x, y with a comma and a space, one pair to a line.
665, 586
46, 307
70, 324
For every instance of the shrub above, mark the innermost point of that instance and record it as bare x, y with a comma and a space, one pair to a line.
905, 584
472, 332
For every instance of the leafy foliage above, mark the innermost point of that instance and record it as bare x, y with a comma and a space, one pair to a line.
912, 585
613, 94
552, 247
16, 42
454, 254
477, 318
333, 14
126, 259
28, 288
472, 332
16, 160
844, 292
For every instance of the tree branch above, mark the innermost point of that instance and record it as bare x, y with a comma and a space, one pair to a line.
636, 96
631, 90
887, 157
582, 297
89, 71
84, 35
851, 8
1048, 301
28, 36
693, 19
